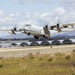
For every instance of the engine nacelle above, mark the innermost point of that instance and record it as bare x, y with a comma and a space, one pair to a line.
24, 32
12, 32
46, 32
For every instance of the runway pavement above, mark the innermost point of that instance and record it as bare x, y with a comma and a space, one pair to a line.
23, 51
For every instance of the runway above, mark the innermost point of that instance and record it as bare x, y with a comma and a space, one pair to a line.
23, 51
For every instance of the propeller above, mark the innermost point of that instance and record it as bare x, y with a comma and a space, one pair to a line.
14, 30
46, 26
58, 27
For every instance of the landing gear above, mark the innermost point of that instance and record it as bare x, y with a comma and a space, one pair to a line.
36, 37
28, 34
45, 36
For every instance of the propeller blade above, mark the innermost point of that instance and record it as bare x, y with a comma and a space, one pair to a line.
13, 32
46, 26
14, 29
58, 27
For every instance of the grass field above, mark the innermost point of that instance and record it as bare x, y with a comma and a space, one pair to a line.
46, 64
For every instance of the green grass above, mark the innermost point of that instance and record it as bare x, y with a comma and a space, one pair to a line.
59, 64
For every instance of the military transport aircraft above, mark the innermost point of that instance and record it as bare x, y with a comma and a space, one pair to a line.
39, 31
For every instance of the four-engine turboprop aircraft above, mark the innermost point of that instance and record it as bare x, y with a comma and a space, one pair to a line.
38, 31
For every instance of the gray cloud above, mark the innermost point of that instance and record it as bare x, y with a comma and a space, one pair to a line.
51, 17
9, 19
58, 14
67, 4
31, 1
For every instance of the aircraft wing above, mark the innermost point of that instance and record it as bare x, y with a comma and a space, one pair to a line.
52, 27
10, 30
5, 29
59, 28
67, 25
56, 28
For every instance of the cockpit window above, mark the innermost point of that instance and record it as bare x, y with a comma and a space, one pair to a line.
28, 25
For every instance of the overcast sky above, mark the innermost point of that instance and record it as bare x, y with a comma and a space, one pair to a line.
37, 12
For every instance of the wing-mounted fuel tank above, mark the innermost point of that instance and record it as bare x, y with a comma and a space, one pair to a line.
46, 31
